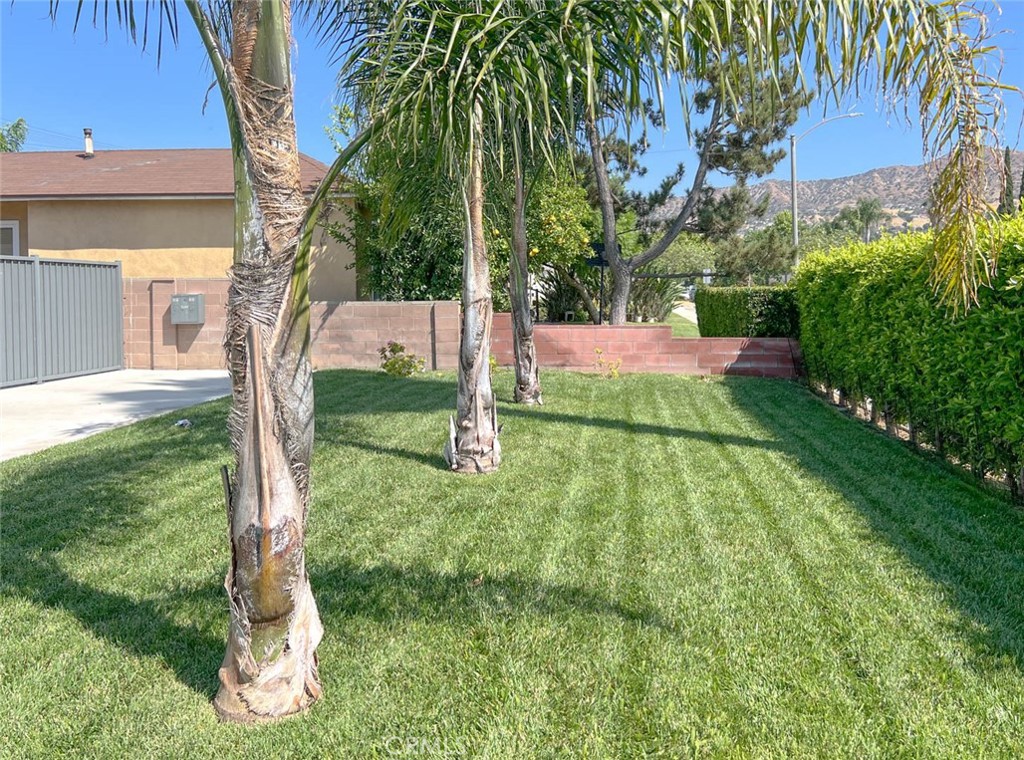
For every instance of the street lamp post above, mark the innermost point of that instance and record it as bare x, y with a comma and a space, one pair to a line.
793, 140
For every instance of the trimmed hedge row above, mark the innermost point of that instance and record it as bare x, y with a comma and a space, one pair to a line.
871, 327
741, 312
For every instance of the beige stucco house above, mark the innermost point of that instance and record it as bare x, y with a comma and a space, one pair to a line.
162, 213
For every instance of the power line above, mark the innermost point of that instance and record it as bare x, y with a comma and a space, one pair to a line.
74, 140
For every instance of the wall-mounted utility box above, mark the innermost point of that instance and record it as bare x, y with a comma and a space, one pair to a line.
188, 309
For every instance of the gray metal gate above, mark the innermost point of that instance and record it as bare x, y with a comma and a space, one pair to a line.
58, 318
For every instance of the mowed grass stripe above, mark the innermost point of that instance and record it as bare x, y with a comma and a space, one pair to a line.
663, 566
925, 664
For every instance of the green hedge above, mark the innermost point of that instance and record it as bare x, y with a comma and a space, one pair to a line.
871, 327
755, 312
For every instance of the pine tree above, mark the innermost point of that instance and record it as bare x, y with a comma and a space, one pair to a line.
1007, 202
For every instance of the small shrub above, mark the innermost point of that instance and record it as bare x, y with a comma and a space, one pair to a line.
652, 299
748, 312
559, 298
609, 368
395, 361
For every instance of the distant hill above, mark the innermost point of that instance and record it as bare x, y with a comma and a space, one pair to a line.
902, 190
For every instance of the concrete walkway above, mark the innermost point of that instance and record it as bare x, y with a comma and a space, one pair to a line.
686, 310
35, 417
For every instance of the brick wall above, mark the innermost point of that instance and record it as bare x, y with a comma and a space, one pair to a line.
348, 334
345, 334
152, 342
651, 348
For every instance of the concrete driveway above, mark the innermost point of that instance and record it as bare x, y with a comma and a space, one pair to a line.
35, 417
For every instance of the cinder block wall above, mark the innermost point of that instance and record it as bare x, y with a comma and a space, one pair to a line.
349, 334
152, 342
650, 348
345, 334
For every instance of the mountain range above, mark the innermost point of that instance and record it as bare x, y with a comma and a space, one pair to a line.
902, 191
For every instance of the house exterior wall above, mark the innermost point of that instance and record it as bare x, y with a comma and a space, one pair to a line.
17, 212
167, 239
151, 238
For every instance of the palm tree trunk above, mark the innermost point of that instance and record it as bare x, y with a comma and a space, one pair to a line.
270, 666
527, 389
472, 445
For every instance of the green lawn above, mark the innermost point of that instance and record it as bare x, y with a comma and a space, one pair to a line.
682, 327
664, 565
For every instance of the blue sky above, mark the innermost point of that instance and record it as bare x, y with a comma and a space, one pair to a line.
60, 82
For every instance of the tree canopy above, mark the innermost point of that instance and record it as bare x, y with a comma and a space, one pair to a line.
13, 136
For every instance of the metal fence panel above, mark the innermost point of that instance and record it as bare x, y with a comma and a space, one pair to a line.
61, 318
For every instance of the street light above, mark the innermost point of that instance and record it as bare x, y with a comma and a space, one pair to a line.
793, 140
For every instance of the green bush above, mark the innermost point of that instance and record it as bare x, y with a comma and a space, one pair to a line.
871, 327
747, 312
395, 361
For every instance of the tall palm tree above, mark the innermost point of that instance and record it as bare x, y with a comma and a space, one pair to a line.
527, 388
462, 72
869, 213
270, 667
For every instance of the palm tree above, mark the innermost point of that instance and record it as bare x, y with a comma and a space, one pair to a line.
869, 213
462, 72
527, 369
270, 667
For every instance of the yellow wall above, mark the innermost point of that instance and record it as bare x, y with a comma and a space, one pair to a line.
17, 212
332, 276
166, 239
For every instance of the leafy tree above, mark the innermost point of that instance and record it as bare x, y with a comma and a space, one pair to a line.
1007, 200
840, 231
758, 256
13, 136
689, 253
1020, 197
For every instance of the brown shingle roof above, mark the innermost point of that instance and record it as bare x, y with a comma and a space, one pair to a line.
187, 172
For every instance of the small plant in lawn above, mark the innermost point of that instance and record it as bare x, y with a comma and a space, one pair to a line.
609, 368
395, 361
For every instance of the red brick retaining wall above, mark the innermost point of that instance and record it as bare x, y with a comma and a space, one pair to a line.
348, 334
651, 348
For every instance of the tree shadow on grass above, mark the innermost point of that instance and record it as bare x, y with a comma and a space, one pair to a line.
63, 502
358, 391
638, 428
964, 538
386, 592
92, 498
